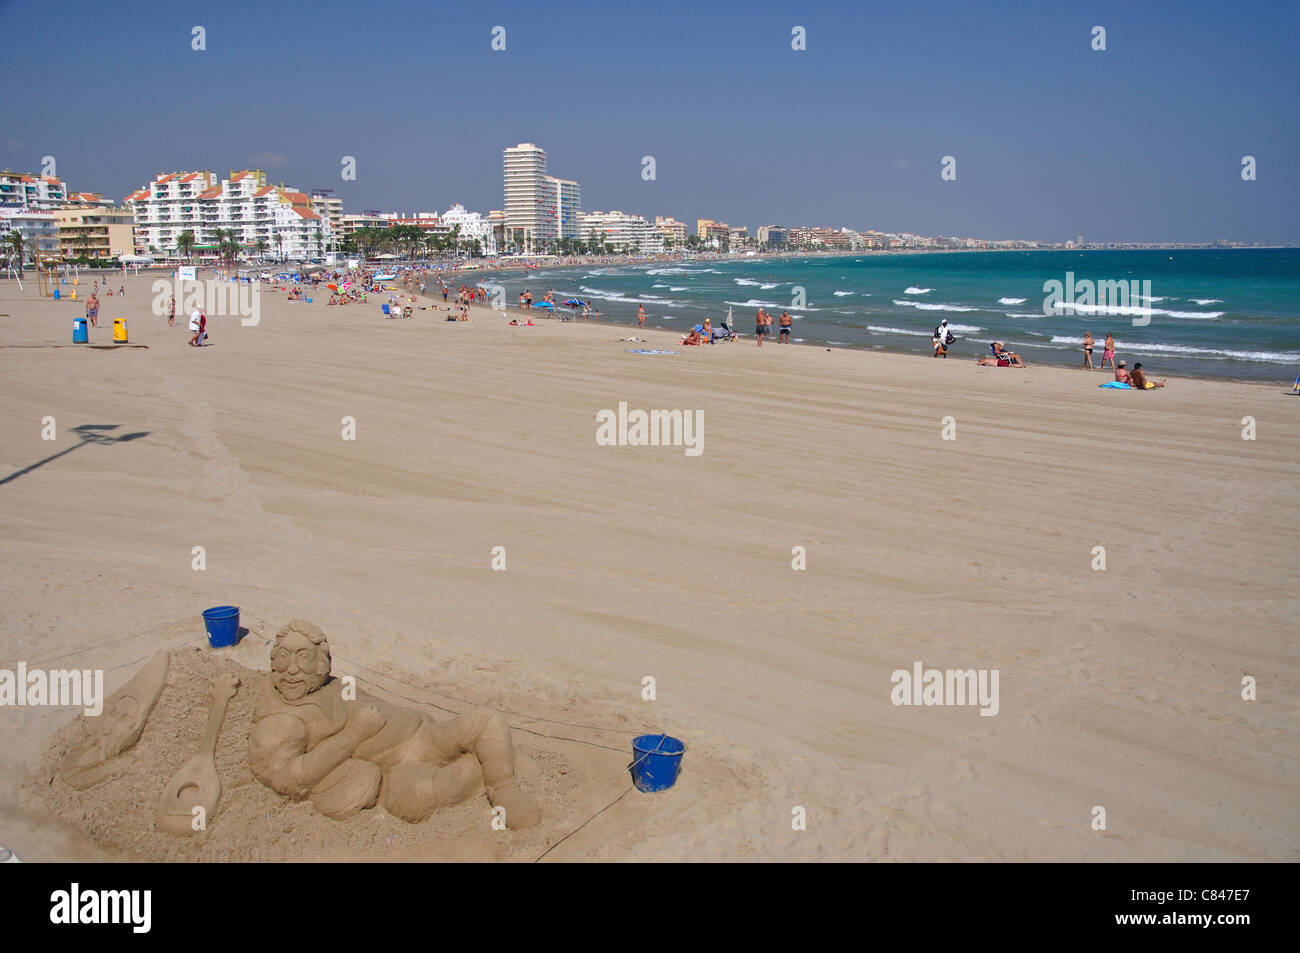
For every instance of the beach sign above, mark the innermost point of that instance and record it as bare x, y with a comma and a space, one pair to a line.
186, 273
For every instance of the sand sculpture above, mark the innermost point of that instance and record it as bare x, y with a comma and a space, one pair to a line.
100, 756
345, 755
309, 741
196, 784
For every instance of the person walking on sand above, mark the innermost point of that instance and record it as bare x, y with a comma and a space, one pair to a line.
92, 309
1109, 353
640, 316
196, 325
171, 312
1087, 351
786, 323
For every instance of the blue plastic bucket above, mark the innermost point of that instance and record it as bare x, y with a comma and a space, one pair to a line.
79, 333
656, 759
222, 623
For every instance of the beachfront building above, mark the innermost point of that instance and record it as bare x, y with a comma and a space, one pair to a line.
712, 233
540, 208
618, 229
672, 231
738, 235
38, 228
474, 227
93, 231
330, 209
36, 192
772, 236
265, 219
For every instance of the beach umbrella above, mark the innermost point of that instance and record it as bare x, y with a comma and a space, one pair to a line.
543, 304
575, 303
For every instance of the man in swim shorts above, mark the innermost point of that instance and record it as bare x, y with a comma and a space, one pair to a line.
786, 322
1109, 353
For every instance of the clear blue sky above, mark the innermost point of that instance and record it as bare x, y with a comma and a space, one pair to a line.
1142, 142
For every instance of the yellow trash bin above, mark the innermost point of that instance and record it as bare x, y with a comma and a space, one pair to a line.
119, 331
74, 296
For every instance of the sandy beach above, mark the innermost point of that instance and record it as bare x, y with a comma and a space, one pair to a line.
1119, 688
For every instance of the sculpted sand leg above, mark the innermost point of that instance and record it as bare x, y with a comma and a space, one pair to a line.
197, 783
116, 729
309, 742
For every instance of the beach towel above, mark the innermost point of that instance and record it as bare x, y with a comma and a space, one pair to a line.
655, 350
1116, 385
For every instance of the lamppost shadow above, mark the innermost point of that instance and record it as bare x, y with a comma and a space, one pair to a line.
88, 434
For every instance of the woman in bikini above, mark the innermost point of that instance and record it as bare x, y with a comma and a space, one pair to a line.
1087, 351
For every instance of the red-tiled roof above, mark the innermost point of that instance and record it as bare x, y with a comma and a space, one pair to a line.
263, 191
305, 212
166, 178
211, 193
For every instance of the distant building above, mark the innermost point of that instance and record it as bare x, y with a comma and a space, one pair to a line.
673, 231
35, 192
279, 219
617, 229
772, 236
92, 231
473, 227
38, 228
540, 208
330, 209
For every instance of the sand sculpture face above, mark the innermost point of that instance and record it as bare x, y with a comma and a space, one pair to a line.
347, 754
299, 664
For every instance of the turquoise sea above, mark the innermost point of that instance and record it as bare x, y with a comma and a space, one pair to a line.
1232, 313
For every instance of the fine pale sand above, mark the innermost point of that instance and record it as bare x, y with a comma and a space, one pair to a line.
1119, 688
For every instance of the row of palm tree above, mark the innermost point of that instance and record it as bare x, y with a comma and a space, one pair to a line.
407, 240
228, 245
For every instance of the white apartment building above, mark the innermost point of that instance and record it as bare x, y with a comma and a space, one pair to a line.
540, 208
330, 209
618, 229
37, 192
280, 218
474, 226
39, 229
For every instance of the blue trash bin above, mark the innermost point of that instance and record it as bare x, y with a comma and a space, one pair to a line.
656, 761
222, 623
79, 332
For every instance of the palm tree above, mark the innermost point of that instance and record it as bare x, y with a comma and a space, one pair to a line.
279, 241
12, 246
261, 247
185, 243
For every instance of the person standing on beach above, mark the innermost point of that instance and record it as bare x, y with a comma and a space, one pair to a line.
1109, 353
640, 316
196, 325
586, 312
1087, 351
92, 309
786, 323
760, 326
171, 313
